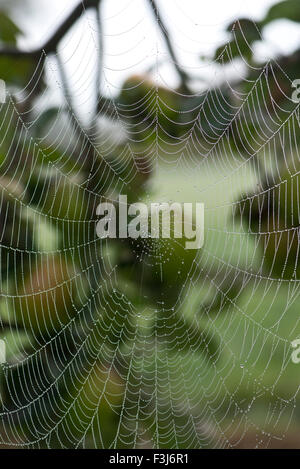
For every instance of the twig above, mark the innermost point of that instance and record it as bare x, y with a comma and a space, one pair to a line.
50, 46
182, 74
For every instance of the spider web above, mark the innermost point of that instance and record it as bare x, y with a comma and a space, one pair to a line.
139, 343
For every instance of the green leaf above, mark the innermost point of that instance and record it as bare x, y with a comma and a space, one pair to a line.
288, 9
243, 32
16, 72
8, 30
244, 28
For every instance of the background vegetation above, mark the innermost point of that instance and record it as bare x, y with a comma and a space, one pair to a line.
90, 327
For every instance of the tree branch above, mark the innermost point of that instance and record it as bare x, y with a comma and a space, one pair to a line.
50, 46
182, 74
105, 105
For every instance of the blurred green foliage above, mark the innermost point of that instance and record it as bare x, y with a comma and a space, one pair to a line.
60, 297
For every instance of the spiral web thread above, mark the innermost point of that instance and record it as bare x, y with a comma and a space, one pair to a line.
159, 388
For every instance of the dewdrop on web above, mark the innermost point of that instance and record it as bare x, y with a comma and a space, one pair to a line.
159, 215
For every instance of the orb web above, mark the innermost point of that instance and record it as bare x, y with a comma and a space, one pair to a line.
139, 343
